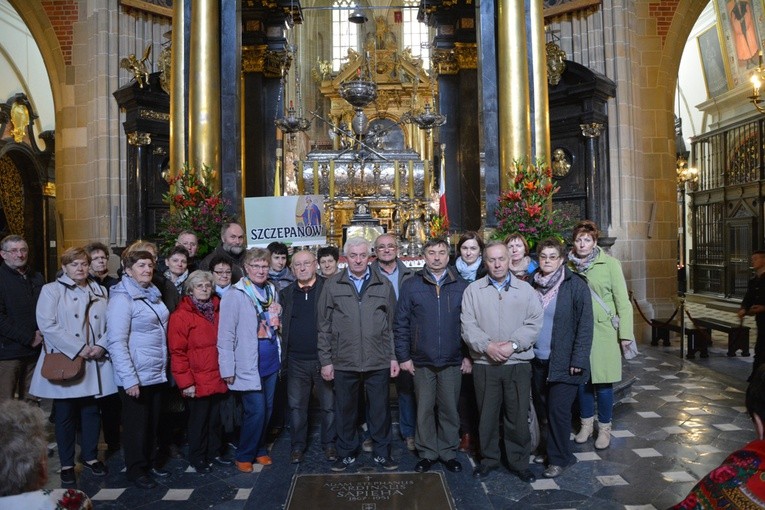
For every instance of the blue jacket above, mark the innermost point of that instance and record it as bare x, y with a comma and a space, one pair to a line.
136, 330
427, 324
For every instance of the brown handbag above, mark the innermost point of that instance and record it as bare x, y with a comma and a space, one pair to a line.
57, 367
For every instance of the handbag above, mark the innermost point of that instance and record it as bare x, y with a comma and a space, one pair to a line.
57, 367
629, 351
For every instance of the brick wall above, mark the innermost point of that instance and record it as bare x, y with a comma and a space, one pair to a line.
663, 11
63, 14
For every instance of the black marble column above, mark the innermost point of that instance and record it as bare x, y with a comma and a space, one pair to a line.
469, 186
231, 133
489, 124
261, 105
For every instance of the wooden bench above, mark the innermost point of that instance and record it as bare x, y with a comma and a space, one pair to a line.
698, 339
738, 335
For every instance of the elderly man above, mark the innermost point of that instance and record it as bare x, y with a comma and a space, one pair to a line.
19, 336
299, 338
356, 351
233, 246
501, 320
388, 265
190, 241
429, 347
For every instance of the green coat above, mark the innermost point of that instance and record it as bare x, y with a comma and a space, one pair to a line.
605, 277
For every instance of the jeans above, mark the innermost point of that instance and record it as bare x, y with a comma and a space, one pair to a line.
71, 412
258, 406
605, 394
302, 376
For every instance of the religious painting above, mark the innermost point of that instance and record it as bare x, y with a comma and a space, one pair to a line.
741, 30
716, 74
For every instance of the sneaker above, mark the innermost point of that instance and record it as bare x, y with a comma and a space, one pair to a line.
68, 477
202, 468
387, 463
159, 472
342, 463
368, 446
97, 468
330, 454
296, 457
222, 461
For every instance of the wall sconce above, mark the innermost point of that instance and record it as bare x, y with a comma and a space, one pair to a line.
685, 174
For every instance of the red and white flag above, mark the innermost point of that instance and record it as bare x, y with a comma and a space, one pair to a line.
442, 210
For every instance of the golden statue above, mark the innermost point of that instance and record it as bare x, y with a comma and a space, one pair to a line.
20, 121
138, 67
560, 165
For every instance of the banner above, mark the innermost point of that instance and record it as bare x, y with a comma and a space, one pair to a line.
296, 220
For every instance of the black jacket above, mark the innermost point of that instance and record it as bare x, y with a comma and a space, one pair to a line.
427, 326
286, 299
18, 320
755, 295
571, 331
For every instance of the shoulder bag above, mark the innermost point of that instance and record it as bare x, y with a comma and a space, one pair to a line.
629, 351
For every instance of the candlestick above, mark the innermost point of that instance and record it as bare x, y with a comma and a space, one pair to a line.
332, 179
411, 179
396, 181
315, 177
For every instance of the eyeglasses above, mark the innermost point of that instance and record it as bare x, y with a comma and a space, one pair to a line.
222, 273
258, 267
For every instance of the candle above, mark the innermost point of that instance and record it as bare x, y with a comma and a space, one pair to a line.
396, 181
426, 177
315, 177
411, 179
332, 179
301, 178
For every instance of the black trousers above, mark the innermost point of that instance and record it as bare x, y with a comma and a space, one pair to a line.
111, 413
140, 418
204, 429
347, 387
302, 377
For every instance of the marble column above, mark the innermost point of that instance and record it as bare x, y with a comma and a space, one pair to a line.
594, 181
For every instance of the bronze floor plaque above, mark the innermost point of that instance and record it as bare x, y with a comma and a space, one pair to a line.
370, 491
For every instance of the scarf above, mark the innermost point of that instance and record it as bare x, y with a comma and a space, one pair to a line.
179, 281
261, 297
206, 308
581, 265
521, 270
547, 286
468, 272
150, 293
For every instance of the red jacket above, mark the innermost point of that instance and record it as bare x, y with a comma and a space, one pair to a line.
193, 344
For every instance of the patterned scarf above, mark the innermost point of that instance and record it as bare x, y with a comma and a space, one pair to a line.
178, 282
206, 308
581, 265
521, 268
547, 286
261, 297
468, 272
150, 293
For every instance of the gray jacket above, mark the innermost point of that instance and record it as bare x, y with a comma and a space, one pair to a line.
513, 314
355, 332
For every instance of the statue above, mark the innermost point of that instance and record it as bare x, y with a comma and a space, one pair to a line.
382, 38
560, 165
138, 67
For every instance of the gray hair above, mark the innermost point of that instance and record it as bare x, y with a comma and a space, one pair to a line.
254, 254
357, 241
13, 238
23, 441
492, 244
196, 277
224, 228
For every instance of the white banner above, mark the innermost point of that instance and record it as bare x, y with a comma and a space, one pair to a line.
296, 220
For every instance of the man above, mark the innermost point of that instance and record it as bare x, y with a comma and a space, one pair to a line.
754, 304
737, 482
429, 347
233, 246
311, 214
279, 273
389, 266
221, 269
189, 240
501, 320
299, 338
328, 257
356, 351
20, 338
99, 265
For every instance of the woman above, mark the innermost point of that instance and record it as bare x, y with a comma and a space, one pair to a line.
137, 320
469, 265
71, 315
170, 295
251, 310
177, 267
562, 351
193, 342
24, 462
612, 314
521, 264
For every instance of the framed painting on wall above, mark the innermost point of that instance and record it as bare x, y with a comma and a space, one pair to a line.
716, 72
738, 20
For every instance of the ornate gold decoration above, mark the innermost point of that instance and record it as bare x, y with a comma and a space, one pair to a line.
138, 67
254, 58
561, 165
19, 120
276, 63
444, 61
49, 189
467, 55
164, 63
159, 151
591, 130
145, 113
12, 195
138, 138
555, 64
161, 7
322, 71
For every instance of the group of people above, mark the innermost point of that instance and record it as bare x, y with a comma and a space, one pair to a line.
225, 333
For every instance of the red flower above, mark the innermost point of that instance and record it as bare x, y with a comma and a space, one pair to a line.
533, 210
71, 500
531, 186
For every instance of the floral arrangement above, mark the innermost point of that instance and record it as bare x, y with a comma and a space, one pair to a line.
525, 206
439, 226
195, 207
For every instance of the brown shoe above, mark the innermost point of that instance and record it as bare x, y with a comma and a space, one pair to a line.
244, 467
466, 443
330, 454
264, 460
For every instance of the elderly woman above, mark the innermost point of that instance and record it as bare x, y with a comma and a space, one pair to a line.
71, 315
521, 264
562, 351
137, 344
192, 337
249, 311
613, 324
177, 267
24, 462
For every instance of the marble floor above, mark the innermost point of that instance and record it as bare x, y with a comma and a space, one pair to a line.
680, 419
